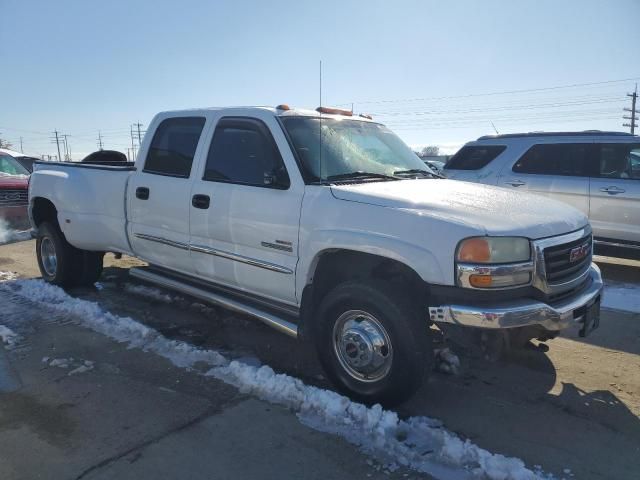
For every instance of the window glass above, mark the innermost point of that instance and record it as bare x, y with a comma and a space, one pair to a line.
569, 159
619, 161
331, 147
474, 157
8, 166
174, 146
244, 152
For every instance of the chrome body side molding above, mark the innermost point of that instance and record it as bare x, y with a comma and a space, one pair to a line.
217, 253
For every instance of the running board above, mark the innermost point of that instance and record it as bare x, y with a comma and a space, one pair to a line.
273, 321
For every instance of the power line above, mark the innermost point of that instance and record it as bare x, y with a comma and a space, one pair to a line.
505, 92
99, 140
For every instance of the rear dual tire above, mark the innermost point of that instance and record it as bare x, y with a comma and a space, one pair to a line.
62, 264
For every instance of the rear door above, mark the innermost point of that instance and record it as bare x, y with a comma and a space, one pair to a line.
556, 170
615, 192
160, 194
476, 163
246, 209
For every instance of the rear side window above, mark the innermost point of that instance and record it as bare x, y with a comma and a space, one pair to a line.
474, 157
569, 159
619, 160
174, 146
243, 151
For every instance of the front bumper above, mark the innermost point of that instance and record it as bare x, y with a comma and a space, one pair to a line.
524, 312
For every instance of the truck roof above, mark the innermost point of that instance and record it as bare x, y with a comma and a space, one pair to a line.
276, 111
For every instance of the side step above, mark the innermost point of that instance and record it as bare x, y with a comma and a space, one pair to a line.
270, 319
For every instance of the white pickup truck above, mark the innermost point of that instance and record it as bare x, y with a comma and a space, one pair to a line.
327, 227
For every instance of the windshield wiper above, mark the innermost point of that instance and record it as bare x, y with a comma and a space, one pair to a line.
360, 175
419, 171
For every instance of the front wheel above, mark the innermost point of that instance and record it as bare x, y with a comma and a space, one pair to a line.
372, 342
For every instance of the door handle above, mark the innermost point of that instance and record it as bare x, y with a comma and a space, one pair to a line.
515, 183
612, 190
200, 201
142, 193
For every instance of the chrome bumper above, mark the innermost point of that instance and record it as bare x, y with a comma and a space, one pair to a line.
523, 312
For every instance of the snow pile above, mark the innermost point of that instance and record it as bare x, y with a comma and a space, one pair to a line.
7, 235
419, 443
8, 336
447, 361
622, 296
77, 366
150, 293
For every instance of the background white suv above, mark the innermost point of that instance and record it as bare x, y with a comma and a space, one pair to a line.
596, 172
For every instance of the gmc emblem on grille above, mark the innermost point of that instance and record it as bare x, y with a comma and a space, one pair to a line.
579, 253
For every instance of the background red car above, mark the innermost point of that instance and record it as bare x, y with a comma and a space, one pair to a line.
14, 184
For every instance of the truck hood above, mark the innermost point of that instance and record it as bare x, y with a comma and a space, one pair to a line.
491, 210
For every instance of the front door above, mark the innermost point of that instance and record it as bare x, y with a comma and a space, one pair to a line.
159, 195
246, 210
615, 193
559, 171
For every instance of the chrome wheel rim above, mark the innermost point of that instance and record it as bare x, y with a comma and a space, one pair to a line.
48, 256
362, 346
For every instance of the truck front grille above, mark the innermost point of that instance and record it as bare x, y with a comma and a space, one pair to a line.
13, 198
568, 261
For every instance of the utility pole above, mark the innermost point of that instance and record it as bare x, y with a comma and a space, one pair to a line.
138, 125
21, 150
57, 140
99, 141
133, 145
632, 118
67, 150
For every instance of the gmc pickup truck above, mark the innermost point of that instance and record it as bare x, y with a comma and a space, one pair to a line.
326, 226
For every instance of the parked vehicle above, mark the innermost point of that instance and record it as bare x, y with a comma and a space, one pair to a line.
596, 172
13, 192
435, 165
327, 227
24, 160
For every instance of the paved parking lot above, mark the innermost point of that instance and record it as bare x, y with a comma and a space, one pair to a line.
114, 412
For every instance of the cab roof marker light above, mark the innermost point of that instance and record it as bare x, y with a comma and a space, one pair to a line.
283, 106
334, 111
366, 115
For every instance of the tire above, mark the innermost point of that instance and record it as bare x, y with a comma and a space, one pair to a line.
61, 263
89, 268
57, 259
356, 315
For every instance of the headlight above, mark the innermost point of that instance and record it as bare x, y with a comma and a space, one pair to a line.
494, 250
494, 262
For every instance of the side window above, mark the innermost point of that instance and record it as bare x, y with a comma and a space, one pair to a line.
619, 160
474, 157
569, 159
174, 146
243, 151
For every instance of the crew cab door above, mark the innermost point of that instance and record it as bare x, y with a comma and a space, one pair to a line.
245, 209
615, 192
160, 194
556, 170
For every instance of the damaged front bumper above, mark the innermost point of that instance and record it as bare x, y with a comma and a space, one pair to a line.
581, 308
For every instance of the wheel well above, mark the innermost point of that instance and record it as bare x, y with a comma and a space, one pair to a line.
337, 266
43, 210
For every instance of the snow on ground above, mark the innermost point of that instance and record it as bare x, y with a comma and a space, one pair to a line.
151, 293
621, 296
419, 443
76, 366
8, 336
8, 235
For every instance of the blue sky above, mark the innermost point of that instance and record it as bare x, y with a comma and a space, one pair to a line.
81, 66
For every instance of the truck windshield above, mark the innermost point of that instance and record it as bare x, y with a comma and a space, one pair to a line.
351, 149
